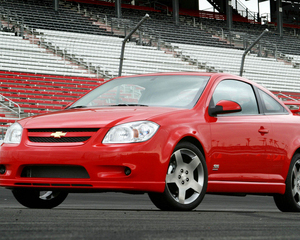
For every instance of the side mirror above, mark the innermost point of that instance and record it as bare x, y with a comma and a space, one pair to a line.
223, 107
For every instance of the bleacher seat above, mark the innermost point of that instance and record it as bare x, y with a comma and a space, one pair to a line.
43, 93
63, 53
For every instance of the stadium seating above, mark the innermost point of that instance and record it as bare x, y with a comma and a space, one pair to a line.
40, 14
23, 55
62, 54
271, 73
103, 53
38, 93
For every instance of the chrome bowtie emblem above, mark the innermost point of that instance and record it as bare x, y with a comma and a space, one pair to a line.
58, 134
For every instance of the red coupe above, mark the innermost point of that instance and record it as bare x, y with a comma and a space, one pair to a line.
175, 136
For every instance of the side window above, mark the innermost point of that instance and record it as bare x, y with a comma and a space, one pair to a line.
239, 92
270, 104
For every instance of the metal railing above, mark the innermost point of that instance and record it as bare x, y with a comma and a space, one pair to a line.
244, 11
125, 40
10, 106
286, 96
158, 5
248, 49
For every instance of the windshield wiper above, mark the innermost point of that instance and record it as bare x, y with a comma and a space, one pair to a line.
130, 104
76, 107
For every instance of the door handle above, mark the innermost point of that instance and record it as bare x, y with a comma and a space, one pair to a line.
263, 130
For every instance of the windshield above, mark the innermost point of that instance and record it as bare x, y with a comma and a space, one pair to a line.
182, 91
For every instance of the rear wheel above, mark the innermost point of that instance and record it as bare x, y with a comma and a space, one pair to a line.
186, 180
32, 198
290, 200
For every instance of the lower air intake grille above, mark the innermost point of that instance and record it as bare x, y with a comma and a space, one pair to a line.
54, 172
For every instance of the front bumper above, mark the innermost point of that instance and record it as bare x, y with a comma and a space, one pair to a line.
111, 167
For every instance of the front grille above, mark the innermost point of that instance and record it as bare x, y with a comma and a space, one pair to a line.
58, 140
73, 135
64, 130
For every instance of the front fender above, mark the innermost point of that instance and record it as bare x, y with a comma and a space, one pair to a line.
197, 133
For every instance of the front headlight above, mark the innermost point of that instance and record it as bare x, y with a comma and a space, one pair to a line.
13, 133
131, 132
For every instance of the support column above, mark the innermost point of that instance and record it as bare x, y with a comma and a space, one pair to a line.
55, 5
279, 17
258, 12
229, 14
176, 11
22, 28
118, 8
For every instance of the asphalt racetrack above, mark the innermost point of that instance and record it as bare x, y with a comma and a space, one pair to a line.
122, 216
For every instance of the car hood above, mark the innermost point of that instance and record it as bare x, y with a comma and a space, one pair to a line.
95, 117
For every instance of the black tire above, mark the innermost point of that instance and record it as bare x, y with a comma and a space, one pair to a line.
32, 198
290, 200
186, 180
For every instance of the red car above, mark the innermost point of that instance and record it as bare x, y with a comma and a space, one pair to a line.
175, 136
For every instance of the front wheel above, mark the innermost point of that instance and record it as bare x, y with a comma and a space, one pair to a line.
32, 198
290, 200
186, 180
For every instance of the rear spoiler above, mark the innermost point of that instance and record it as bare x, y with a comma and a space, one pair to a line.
294, 106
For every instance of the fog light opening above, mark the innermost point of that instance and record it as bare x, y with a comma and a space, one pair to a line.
2, 169
127, 171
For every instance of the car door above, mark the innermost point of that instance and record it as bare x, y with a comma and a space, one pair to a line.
240, 141
283, 138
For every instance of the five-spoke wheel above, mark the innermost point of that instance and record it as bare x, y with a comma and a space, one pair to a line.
290, 200
32, 198
186, 180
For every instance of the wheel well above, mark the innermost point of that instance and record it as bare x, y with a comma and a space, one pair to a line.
297, 151
195, 142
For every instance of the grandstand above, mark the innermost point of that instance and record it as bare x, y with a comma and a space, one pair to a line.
50, 58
